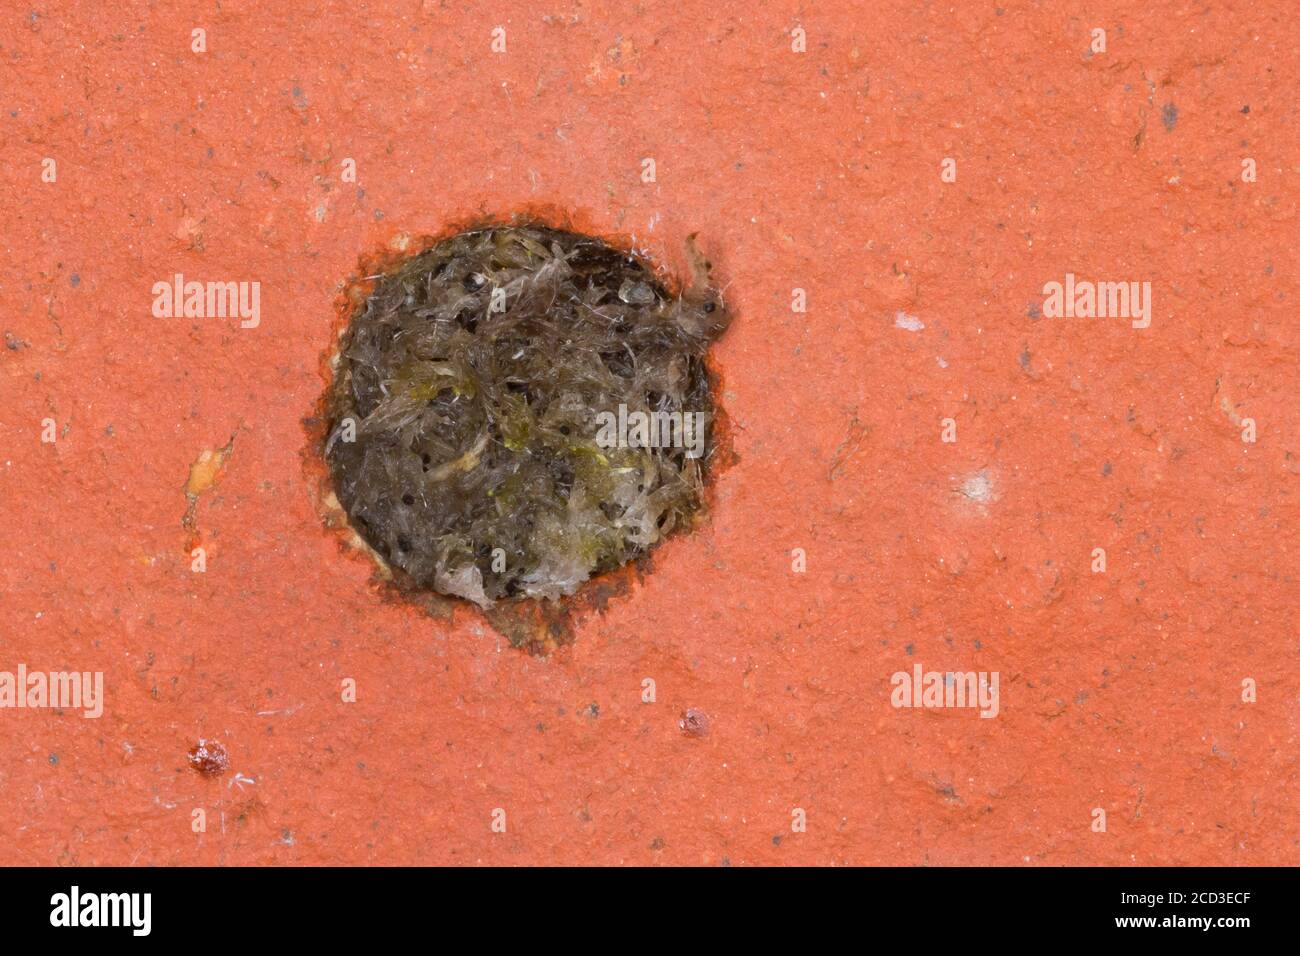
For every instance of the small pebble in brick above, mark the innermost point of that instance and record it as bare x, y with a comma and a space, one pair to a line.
209, 758
694, 722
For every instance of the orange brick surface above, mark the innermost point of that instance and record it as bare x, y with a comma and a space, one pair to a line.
806, 145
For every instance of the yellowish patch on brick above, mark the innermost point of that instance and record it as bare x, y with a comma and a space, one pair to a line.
204, 473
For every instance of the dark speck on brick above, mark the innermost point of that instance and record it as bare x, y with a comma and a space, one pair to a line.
1169, 116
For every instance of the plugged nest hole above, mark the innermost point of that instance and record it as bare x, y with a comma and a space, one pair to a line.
518, 409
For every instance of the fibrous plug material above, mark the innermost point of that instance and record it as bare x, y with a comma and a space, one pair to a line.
478, 416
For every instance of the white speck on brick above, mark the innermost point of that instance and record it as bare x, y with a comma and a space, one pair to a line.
978, 487
910, 322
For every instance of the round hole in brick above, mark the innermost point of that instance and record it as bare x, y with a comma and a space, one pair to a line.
516, 410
